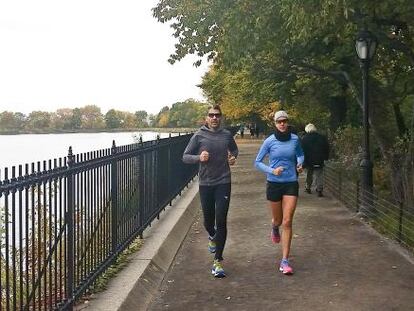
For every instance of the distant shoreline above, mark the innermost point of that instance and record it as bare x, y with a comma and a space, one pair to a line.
145, 129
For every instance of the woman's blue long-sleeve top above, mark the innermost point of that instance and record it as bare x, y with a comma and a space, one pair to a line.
287, 154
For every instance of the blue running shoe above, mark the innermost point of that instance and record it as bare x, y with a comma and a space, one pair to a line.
217, 269
211, 245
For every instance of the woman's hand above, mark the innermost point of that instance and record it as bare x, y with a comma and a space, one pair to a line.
278, 170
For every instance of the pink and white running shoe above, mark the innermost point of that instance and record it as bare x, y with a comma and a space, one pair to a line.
285, 268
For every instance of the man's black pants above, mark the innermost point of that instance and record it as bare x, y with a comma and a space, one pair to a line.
215, 202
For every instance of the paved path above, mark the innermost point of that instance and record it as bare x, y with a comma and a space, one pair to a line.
340, 263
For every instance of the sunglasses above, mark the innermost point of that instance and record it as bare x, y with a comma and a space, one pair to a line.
281, 121
212, 115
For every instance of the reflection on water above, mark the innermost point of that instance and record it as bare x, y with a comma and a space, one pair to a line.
27, 148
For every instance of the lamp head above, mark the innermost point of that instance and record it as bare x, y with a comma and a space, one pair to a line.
365, 45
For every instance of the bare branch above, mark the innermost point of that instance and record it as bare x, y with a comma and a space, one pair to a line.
340, 75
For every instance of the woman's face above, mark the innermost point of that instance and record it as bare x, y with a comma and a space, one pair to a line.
282, 125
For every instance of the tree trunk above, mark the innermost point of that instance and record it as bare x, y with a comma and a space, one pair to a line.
338, 108
408, 182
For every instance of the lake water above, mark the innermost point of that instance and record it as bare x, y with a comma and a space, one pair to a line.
27, 148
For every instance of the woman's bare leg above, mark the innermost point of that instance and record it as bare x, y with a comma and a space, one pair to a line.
277, 213
288, 210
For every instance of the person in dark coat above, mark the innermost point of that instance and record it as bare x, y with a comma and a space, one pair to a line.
257, 131
316, 149
252, 130
241, 131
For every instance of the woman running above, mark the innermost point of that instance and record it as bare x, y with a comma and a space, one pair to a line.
285, 161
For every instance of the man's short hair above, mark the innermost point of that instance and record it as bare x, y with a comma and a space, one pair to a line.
215, 107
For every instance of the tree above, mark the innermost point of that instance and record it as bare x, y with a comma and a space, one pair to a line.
12, 121
141, 118
38, 120
76, 119
164, 111
92, 117
129, 120
62, 119
163, 120
392, 83
113, 119
152, 119
306, 62
189, 113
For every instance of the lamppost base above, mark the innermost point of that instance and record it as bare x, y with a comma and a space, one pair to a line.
367, 187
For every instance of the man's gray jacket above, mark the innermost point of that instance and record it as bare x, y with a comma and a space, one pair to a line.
219, 144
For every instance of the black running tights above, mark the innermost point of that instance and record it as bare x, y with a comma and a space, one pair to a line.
215, 202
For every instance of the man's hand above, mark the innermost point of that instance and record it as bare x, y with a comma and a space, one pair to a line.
231, 159
204, 156
299, 168
278, 170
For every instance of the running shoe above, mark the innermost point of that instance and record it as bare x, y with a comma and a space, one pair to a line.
211, 245
275, 235
217, 269
285, 268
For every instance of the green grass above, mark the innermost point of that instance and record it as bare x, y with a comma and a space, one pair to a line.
120, 263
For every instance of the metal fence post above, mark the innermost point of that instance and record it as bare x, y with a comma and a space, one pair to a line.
400, 222
141, 188
70, 264
340, 186
169, 177
157, 156
357, 196
114, 199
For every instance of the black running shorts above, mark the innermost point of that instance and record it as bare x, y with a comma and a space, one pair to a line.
275, 191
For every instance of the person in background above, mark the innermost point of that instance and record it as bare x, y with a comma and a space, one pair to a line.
282, 190
257, 130
251, 130
215, 150
242, 131
316, 149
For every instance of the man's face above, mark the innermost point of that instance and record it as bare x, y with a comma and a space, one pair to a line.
213, 118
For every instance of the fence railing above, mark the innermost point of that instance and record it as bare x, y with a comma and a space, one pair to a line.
64, 221
392, 219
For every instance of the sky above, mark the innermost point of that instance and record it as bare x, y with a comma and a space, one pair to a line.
110, 53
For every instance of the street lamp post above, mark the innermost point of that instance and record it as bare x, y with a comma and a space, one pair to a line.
365, 45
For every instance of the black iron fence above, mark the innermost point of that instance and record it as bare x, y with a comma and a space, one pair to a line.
390, 218
64, 221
